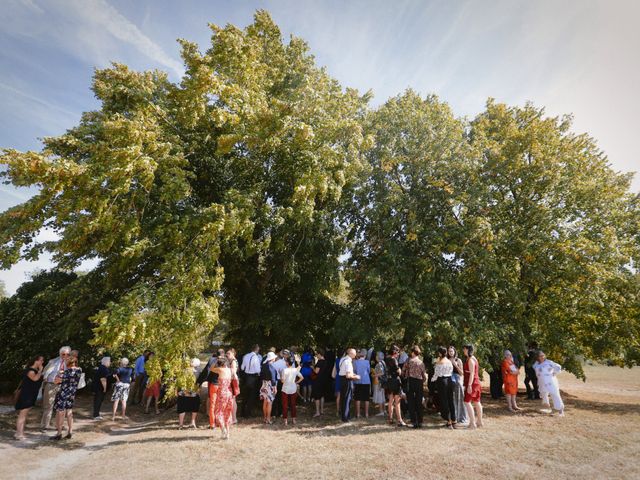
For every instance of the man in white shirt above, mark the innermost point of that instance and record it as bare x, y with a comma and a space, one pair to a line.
547, 372
251, 364
347, 376
54, 368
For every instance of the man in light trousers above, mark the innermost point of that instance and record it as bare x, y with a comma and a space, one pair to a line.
54, 368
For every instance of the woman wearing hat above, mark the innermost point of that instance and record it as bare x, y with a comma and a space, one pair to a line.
268, 390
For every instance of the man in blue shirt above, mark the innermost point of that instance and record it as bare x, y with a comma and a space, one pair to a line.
139, 378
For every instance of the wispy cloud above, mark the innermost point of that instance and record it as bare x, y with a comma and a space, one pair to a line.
93, 30
38, 100
103, 15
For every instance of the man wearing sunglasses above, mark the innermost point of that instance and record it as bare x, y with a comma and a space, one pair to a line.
54, 368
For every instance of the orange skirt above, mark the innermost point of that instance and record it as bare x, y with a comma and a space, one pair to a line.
153, 390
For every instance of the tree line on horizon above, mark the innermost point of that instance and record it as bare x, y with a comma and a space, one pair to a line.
260, 201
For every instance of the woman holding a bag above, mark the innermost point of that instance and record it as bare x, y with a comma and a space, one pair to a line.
27, 393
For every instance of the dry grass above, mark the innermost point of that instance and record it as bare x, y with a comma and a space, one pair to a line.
598, 438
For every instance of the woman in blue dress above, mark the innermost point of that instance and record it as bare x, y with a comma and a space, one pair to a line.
306, 372
66, 396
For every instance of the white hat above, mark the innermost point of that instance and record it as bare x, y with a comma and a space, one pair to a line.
270, 356
195, 362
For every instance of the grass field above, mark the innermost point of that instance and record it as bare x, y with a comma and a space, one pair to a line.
598, 438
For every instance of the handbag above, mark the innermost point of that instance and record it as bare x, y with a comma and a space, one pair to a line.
17, 392
82, 382
235, 387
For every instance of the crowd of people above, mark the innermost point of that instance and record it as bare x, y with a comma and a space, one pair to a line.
394, 382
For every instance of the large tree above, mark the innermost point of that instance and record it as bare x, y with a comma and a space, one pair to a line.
234, 170
409, 224
563, 237
506, 229
233, 194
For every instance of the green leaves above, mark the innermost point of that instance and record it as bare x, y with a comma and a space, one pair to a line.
230, 201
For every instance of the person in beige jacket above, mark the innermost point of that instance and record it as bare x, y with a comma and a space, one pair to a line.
53, 369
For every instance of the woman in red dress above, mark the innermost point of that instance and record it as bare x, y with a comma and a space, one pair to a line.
510, 380
472, 388
223, 410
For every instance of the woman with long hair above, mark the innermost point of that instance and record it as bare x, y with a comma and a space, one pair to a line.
27, 392
457, 382
472, 388
233, 365
223, 410
442, 374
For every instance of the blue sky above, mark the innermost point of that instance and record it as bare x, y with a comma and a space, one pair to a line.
571, 56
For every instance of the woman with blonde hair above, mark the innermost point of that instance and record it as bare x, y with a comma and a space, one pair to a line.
121, 388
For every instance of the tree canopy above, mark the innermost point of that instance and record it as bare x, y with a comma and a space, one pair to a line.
259, 192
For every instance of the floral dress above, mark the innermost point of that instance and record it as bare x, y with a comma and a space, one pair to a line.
67, 394
224, 402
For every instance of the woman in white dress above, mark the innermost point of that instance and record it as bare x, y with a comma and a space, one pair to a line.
546, 371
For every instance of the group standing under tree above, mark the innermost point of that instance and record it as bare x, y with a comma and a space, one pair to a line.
396, 380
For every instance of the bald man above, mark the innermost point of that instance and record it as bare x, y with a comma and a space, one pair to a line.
347, 376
